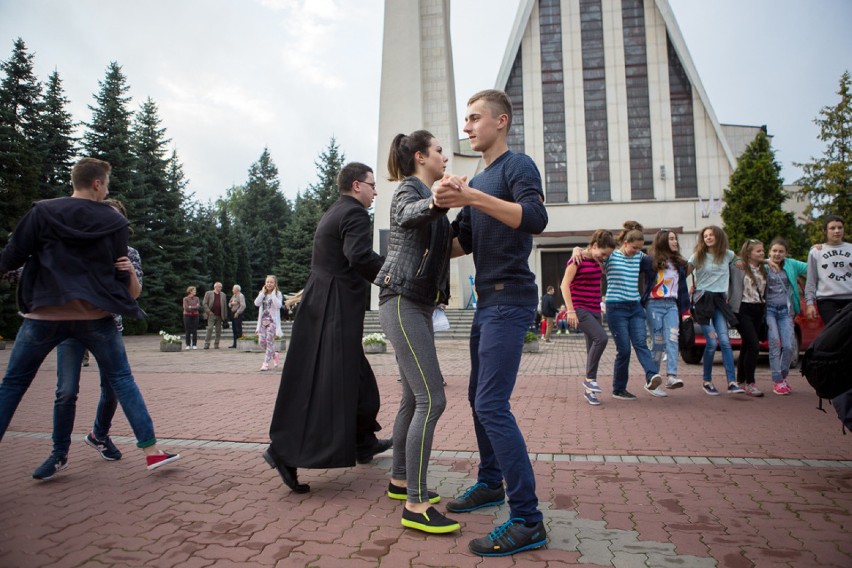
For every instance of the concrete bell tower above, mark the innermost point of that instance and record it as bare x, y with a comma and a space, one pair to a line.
418, 92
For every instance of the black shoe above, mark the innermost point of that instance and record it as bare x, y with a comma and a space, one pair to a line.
379, 446
207, 347
477, 497
287, 473
623, 395
232, 346
49, 468
431, 521
510, 537
401, 494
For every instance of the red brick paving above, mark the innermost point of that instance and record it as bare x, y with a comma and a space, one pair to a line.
225, 507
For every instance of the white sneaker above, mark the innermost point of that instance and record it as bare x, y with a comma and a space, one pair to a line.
187, 347
264, 367
658, 391
655, 381
195, 346
673, 382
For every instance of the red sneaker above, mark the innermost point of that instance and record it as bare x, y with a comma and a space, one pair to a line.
161, 459
781, 388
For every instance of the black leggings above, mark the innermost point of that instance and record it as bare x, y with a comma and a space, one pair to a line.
750, 317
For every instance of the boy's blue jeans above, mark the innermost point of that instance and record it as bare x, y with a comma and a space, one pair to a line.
496, 343
69, 357
37, 338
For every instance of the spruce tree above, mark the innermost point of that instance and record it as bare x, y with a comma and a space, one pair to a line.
20, 163
107, 136
262, 212
56, 141
329, 164
297, 244
298, 239
754, 198
827, 180
229, 256
149, 205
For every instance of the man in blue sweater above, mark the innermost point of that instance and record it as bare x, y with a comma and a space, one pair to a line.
502, 208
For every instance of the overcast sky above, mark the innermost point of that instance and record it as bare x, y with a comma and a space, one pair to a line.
231, 77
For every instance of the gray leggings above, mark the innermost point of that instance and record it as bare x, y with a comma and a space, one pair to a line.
596, 340
408, 325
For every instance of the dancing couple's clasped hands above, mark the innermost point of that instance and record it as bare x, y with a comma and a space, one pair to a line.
452, 191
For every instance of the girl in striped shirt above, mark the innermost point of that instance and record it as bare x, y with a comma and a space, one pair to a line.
625, 314
581, 289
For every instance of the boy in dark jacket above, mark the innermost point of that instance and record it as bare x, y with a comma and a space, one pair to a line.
70, 287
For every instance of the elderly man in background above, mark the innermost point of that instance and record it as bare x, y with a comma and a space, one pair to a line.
215, 306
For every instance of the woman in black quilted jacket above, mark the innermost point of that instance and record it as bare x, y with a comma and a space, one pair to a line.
413, 280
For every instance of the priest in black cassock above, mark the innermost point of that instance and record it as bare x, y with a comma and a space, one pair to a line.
328, 400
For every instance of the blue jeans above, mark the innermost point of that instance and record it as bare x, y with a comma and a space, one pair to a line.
628, 326
780, 324
716, 333
37, 338
665, 329
496, 342
69, 357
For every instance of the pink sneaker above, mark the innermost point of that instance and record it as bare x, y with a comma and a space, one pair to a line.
264, 367
781, 388
789, 388
275, 359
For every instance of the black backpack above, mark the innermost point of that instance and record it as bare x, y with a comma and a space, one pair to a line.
827, 363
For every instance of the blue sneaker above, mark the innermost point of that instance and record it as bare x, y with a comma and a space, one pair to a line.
592, 385
49, 468
510, 537
104, 447
592, 398
710, 389
477, 497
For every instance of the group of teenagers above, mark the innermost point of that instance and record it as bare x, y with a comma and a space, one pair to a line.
752, 292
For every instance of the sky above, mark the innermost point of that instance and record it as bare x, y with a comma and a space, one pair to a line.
231, 78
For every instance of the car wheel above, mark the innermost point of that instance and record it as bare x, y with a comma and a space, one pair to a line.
692, 355
794, 362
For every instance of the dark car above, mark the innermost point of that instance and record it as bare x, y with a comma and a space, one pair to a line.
806, 330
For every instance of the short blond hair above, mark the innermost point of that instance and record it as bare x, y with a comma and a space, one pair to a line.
498, 103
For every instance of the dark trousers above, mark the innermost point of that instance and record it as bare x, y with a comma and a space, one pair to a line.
237, 322
750, 318
190, 327
369, 403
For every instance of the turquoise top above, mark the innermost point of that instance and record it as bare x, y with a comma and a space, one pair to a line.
713, 276
794, 269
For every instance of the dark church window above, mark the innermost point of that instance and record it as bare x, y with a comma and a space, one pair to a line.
638, 106
553, 103
594, 97
683, 127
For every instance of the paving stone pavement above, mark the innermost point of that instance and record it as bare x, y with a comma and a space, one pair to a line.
688, 480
